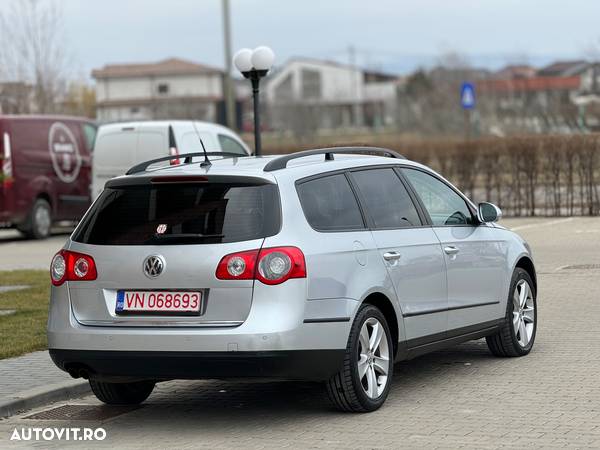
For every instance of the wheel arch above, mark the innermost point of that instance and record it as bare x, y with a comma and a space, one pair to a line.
385, 305
526, 263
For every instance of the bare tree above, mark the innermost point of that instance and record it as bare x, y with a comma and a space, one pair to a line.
33, 50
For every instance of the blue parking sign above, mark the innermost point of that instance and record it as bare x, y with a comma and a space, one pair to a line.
467, 96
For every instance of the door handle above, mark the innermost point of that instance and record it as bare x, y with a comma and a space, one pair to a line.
451, 250
391, 256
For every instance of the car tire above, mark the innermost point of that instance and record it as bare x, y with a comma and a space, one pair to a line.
348, 390
122, 393
39, 221
517, 335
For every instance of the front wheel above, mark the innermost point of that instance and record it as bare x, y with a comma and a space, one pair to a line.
517, 335
122, 393
364, 381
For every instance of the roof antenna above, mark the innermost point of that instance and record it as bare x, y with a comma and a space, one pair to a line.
206, 162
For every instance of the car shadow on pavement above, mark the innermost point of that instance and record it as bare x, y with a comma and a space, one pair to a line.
216, 404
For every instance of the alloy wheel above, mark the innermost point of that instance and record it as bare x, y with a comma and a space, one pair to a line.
373, 358
523, 313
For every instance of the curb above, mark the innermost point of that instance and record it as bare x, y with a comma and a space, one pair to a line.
42, 395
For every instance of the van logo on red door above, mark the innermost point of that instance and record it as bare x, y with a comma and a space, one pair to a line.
64, 151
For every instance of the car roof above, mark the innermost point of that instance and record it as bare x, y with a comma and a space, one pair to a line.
52, 117
254, 166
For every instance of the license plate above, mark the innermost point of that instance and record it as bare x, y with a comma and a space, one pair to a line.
159, 302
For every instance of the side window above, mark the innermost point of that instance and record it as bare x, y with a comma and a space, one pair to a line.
444, 205
230, 145
89, 134
329, 204
386, 199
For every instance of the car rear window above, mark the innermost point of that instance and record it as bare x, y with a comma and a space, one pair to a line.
171, 214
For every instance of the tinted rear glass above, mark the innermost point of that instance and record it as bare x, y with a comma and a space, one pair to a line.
169, 214
386, 199
329, 204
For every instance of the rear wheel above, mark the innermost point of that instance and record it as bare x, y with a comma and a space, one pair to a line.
517, 335
39, 221
363, 383
122, 393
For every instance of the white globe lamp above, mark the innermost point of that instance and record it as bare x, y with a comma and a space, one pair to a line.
242, 60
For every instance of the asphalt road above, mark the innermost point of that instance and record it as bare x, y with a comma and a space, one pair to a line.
16, 252
459, 398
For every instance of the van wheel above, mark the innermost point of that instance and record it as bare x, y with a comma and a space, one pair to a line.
122, 393
39, 221
517, 335
364, 381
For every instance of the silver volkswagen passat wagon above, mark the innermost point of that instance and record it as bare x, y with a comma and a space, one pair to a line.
327, 264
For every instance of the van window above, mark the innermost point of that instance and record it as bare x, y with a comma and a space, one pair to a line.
329, 204
171, 214
190, 142
228, 144
386, 199
89, 135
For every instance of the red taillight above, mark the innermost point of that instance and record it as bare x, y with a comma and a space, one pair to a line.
174, 152
72, 266
268, 265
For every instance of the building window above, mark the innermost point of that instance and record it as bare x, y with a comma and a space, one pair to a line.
163, 88
311, 84
135, 110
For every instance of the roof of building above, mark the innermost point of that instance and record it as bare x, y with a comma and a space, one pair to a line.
372, 74
563, 68
170, 66
516, 71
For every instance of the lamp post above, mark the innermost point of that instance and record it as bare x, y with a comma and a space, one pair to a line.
254, 65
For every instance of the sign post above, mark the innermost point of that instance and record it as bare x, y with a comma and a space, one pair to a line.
467, 102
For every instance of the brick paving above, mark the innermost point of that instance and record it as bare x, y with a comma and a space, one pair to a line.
457, 398
27, 372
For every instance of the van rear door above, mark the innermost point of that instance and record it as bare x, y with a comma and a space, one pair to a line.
117, 150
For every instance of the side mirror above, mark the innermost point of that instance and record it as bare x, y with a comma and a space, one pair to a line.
488, 212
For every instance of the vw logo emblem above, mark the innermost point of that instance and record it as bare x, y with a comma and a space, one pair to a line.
153, 266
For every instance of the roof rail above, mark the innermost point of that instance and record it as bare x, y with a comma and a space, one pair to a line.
141, 167
281, 162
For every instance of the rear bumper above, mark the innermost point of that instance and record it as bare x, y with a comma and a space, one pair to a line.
298, 364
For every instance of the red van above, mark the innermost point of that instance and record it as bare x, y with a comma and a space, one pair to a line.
44, 171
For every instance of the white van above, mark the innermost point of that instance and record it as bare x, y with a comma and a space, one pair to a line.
119, 146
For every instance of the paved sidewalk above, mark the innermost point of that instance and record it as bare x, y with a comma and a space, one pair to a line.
30, 380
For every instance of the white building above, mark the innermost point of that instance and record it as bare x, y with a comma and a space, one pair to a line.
330, 95
169, 89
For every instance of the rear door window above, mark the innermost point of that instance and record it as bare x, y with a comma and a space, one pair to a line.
163, 214
329, 204
230, 145
386, 199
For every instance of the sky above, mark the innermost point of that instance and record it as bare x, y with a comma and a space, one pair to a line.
395, 36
